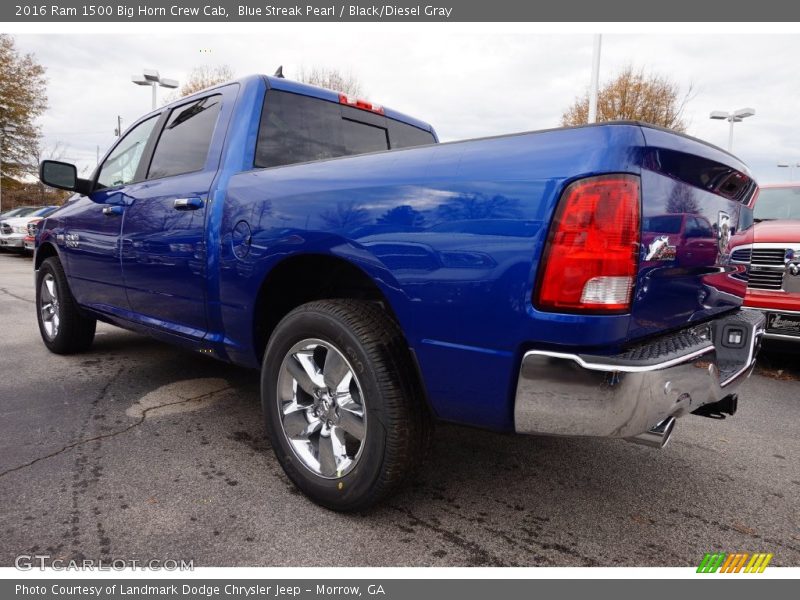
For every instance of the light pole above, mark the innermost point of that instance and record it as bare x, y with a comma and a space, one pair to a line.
154, 80
791, 167
595, 83
732, 117
4, 131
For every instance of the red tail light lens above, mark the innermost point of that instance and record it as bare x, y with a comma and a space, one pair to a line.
359, 103
590, 261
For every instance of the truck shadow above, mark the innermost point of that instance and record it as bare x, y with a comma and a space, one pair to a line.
490, 499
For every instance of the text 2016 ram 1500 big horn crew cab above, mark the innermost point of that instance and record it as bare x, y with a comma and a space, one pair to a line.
381, 280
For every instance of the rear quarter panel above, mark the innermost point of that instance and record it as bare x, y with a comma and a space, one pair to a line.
450, 233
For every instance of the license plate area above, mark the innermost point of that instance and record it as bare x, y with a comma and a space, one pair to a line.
783, 324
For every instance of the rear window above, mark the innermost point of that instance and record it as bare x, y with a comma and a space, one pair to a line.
296, 128
777, 203
186, 138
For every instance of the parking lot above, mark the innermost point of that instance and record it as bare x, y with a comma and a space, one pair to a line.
138, 450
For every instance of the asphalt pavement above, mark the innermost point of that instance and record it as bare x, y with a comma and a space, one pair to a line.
138, 450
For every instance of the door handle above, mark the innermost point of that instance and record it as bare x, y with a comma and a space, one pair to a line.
112, 210
187, 203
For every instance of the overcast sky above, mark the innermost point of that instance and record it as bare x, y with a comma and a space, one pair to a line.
466, 85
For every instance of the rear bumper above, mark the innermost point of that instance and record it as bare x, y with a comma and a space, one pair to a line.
628, 394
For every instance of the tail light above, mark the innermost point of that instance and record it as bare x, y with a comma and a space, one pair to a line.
590, 261
362, 104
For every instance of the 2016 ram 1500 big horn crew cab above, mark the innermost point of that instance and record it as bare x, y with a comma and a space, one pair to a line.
567, 282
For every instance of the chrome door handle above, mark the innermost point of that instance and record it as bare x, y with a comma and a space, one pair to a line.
112, 210
187, 203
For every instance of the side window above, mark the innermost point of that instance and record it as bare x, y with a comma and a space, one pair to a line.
403, 135
698, 228
120, 166
184, 142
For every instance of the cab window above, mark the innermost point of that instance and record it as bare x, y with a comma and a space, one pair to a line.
184, 142
120, 166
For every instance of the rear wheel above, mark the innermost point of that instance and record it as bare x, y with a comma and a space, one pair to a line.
344, 412
64, 329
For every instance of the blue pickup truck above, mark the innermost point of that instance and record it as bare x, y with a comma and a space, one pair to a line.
531, 283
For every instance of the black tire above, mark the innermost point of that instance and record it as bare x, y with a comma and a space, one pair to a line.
397, 423
74, 331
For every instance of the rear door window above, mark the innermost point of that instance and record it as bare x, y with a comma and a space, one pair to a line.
186, 138
296, 128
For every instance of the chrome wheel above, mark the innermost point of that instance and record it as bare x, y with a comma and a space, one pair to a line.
49, 307
321, 407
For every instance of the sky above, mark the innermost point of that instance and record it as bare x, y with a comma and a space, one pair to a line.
466, 84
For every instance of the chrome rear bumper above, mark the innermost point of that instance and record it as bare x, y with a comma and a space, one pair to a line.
629, 394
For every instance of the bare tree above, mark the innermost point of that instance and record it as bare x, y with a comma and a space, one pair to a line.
635, 95
682, 200
55, 151
202, 77
347, 215
332, 79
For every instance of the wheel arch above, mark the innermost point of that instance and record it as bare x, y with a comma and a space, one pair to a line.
305, 277
43, 252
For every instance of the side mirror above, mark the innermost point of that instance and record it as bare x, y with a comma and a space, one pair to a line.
63, 176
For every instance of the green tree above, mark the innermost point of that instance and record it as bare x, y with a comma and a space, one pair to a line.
23, 98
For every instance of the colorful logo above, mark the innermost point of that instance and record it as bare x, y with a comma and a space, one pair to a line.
740, 562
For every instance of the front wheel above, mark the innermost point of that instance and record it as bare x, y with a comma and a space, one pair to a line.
343, 410
64, 329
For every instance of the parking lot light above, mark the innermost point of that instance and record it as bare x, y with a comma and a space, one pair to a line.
790, 166
732, 117
151, 77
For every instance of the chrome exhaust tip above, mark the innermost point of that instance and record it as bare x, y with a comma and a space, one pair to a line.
657, 437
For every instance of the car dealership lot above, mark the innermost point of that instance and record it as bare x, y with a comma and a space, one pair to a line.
137, 450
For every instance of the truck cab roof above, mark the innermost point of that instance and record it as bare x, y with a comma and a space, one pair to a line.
297, 87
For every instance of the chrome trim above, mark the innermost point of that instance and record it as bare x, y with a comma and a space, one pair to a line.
658, 436
771, 275
781, 336
774, 310
769, 335
755, 344
595, 366
49, 307
774, 245
560, 393
322, 408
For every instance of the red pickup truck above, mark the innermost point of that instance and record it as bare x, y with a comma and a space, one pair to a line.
774, 277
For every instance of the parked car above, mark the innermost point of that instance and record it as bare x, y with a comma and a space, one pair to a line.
29, 241
774, 281
14, 230
694, 241
20, 211
380, 280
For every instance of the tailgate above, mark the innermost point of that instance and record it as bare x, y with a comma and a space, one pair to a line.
695, 211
